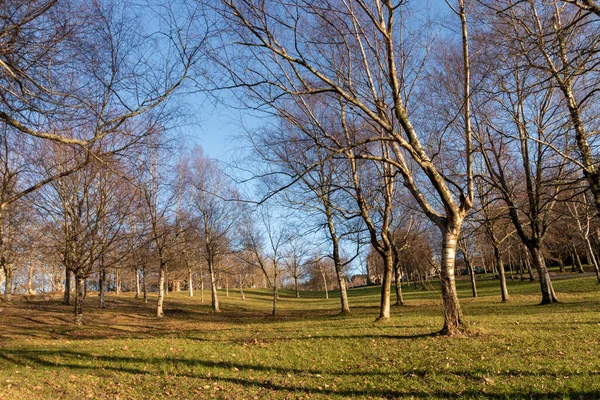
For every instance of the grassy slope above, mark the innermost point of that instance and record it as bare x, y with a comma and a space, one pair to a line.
514, 350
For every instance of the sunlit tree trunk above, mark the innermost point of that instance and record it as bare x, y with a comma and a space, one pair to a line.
548, 295
593, 258
191, 282
339, 272
453, 317
79, 288
398, 278
201, 287
166, 280
386, 286
161, 291
137, 283
144, 284
30, 289
275, 289
242, 289
500, 267
118, 281
213, 288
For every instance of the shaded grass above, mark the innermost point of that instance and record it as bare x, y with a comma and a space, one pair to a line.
514, 350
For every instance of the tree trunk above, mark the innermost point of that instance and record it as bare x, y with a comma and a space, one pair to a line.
144, 284
30, 279
275, 288
8, 283
201, 287
500, 267
593, 258
79, 285
118, 281
386, 286
483, 263
190, 283
166, 280
343, 290
578, 261
471, 270
369, 280
242, 289
325, 284
213, 288
102, 287
510, 268
227, 285
296, 286
561, 265
161, 291
85, 288
398, 282
548, 295
529, 269
521, 269
67, 294
137, 283
453, 319
339, 272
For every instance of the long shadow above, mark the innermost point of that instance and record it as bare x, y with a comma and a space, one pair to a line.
27, 357
22, 357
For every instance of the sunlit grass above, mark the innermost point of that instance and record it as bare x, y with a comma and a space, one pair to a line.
513, 350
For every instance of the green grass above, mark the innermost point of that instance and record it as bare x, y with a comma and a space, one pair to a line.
513, 350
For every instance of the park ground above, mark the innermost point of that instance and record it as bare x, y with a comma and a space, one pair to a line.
513, 350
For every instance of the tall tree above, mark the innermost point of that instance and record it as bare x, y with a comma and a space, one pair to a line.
215, 202
347, 54
559, 40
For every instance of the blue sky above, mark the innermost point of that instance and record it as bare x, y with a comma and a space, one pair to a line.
218, 128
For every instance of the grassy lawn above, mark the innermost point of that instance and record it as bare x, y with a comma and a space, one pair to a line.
514, 350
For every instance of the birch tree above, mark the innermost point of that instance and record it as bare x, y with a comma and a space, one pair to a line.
356, 54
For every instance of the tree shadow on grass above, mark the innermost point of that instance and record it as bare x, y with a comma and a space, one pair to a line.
73, 360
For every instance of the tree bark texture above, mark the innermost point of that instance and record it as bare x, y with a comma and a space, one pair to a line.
548, 295
161, 291
213, 289
453, 318
79, 288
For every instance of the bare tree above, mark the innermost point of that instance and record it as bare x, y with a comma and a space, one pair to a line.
347, 54
264, 240
513, 132
559, 42
215, 202
295, 260
582, 213
87, 210
84, 75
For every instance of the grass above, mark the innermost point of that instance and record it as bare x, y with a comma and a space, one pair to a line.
514, 350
